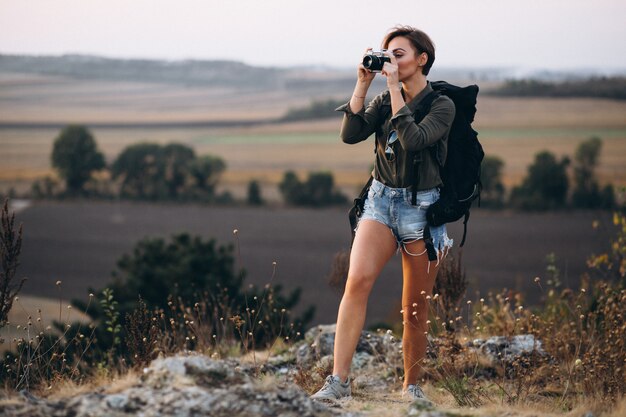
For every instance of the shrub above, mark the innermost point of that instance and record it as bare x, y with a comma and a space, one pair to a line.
189, 277
545, 186
587, 192
10, 249
492, 194
254, 194
317, 190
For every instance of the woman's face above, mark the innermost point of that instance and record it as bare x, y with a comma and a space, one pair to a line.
410, 63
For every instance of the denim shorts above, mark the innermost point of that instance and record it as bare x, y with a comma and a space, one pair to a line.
392, 207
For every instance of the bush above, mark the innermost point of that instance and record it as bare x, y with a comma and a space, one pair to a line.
492, 194
254, 194
587, 192
189, 277
317, 190
153, 172
545, 186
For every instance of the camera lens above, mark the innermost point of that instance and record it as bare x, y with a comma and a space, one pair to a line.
368, 60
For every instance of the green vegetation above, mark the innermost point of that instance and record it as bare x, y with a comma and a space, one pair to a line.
492, 194
587, 192
254, 194
545, 186
199, 304
153, 172
316, 110
75, 155
185, 294
318, 190
595, 87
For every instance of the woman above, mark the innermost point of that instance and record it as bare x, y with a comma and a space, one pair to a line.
390, 222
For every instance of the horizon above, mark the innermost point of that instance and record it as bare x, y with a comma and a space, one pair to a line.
550, 35
586, 70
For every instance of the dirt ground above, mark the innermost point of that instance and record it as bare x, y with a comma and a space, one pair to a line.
79, 243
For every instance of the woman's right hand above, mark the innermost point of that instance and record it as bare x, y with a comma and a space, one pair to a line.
365, 76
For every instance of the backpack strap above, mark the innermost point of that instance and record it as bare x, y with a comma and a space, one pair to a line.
430, 247
357, 209
421, 112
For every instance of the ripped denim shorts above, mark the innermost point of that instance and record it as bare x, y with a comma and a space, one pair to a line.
392, 207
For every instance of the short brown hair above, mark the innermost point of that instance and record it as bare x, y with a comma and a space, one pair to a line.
421, 43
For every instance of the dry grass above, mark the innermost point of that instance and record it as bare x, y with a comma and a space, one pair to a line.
42, 311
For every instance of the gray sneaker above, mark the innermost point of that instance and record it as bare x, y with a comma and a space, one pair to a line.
415, 393
333, 389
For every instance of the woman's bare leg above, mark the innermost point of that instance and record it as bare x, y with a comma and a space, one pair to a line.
373, 246
417, 277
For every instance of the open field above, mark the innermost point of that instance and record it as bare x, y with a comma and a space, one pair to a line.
511, 128
79, 244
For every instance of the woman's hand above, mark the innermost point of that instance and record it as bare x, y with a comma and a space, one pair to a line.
390, 70
365, 76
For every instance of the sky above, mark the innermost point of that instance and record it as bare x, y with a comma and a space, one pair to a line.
530, 34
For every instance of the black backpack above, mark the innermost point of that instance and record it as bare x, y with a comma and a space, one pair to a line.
460, 173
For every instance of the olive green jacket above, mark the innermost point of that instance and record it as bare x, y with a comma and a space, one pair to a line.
397, 171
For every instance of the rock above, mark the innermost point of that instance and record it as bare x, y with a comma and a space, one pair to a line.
501, 348
319, 342
184, 385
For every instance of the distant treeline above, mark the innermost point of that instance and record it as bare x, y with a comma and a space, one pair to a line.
595, 87
188, 72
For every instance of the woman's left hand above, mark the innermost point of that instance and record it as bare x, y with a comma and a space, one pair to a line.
390, 70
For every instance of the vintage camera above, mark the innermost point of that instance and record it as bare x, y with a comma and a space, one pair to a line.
375, 60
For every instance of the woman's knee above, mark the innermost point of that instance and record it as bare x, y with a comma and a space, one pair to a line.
359, 283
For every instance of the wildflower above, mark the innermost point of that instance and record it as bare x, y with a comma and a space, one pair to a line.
578, 362
469, 302
58, 283
235, 231
423, 293
274, 263
537, 280
90, 295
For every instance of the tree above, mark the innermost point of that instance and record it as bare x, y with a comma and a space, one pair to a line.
491, 178
177, 160
75, 155
317, 190
545, 186
254, 193
142, 171
587, 192
206, 171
